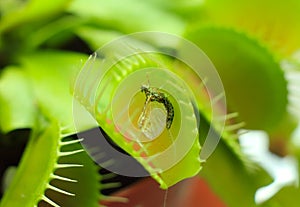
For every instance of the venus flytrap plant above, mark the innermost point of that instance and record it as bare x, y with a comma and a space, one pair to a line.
238, 59
182, 94
115, 123
246, 51
111, 87
228, 49
53, 170
291, 67
237, 55
272, 25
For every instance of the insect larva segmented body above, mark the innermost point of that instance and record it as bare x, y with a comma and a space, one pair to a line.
153, 94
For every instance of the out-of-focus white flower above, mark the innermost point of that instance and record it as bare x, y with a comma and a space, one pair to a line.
283, 170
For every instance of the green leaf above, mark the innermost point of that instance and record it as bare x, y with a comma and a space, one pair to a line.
140, 15
54, 30
42, 85
254, 83
33, 10
17, 104
50, 74
229, 179
186, 9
